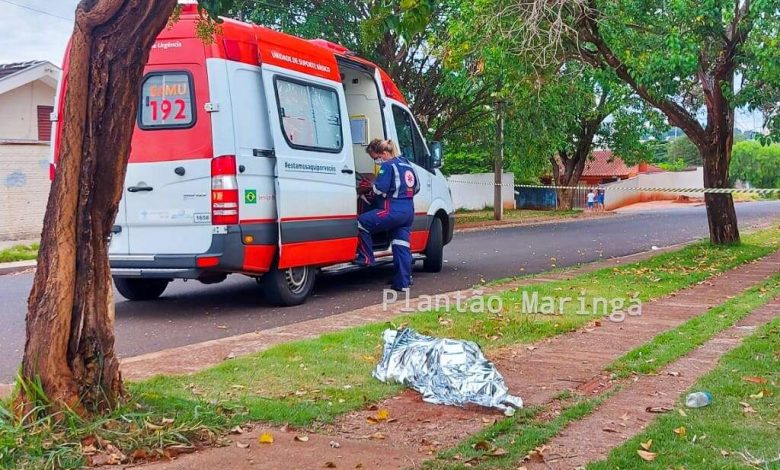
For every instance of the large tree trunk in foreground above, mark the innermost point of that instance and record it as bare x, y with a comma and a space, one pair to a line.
721, 216
70, 318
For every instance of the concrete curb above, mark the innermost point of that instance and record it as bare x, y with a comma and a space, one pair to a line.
533, 223
17, 267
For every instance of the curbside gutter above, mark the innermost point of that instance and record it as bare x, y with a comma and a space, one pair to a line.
17, 267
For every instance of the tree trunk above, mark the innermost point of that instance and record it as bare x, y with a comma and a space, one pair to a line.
70, 317
721, 216
565, 199
498, 164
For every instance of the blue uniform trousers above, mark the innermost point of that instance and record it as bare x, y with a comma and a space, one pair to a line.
395, 217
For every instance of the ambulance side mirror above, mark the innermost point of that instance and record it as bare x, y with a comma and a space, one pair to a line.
437, 154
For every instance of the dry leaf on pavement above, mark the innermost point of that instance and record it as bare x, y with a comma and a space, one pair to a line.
681, 431
646, 445
658, 409
242, 445
266, 438
302, 438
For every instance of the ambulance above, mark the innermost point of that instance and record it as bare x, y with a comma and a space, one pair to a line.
245, 159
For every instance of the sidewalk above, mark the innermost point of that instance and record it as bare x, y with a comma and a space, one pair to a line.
538, 373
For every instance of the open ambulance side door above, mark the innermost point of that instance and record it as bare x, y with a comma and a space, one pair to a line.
315, 170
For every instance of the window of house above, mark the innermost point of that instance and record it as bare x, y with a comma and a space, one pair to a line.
310, 115
44, 122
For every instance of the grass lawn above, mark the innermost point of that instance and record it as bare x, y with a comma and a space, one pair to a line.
518, 436
468, 217
740, 429
316, 380
19, 253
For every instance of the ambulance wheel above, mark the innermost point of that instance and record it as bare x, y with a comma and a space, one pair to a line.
434, 252
140, 289
288, 287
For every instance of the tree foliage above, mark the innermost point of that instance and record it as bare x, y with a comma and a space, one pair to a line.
681, 148
406, 38
756, 164
682, 57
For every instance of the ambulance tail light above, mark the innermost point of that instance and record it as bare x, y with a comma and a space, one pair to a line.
52, 171
224, 191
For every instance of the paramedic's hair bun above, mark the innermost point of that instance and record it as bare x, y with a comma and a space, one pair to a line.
381, 146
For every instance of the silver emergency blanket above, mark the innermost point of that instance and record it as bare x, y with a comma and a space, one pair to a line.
445, 371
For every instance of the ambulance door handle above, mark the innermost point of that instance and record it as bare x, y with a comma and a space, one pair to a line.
347, 171
135, 189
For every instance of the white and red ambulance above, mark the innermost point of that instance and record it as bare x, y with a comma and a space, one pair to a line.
244, 160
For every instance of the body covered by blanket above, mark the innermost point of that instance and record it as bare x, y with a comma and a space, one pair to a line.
445, 371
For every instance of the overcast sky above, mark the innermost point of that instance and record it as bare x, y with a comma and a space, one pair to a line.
27, 34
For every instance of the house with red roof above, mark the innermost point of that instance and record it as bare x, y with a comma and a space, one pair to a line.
605, 167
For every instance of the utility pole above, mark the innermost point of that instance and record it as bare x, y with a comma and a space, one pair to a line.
498, 162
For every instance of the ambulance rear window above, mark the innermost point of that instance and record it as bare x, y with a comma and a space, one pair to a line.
167, 101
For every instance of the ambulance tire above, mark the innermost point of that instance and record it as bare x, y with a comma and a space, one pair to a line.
434, 252
140, 289
288, 287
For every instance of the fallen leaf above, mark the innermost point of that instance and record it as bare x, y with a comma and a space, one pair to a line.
222, 327
682, 412
647, 456
383, 414
658, 409
377, 436
242, 445
537, 455
530, 348
237, 430
597, 323
758, 395
482, 446
681, 431
673, 374
746, 408
303, 438
334, 445
624, 417
725, 453
330, 465
646, 445
609, 430
755, 380
266, 438
498, 452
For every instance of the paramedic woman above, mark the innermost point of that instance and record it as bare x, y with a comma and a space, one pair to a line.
394, 188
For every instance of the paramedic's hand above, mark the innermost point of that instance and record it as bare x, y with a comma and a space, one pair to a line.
365, 186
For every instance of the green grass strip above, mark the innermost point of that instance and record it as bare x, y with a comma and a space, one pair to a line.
19, 253
509, 440
727, 434
673, 344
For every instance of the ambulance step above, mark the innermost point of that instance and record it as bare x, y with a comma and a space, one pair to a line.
349, 267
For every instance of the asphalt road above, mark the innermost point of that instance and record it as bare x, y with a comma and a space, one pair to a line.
191, 312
